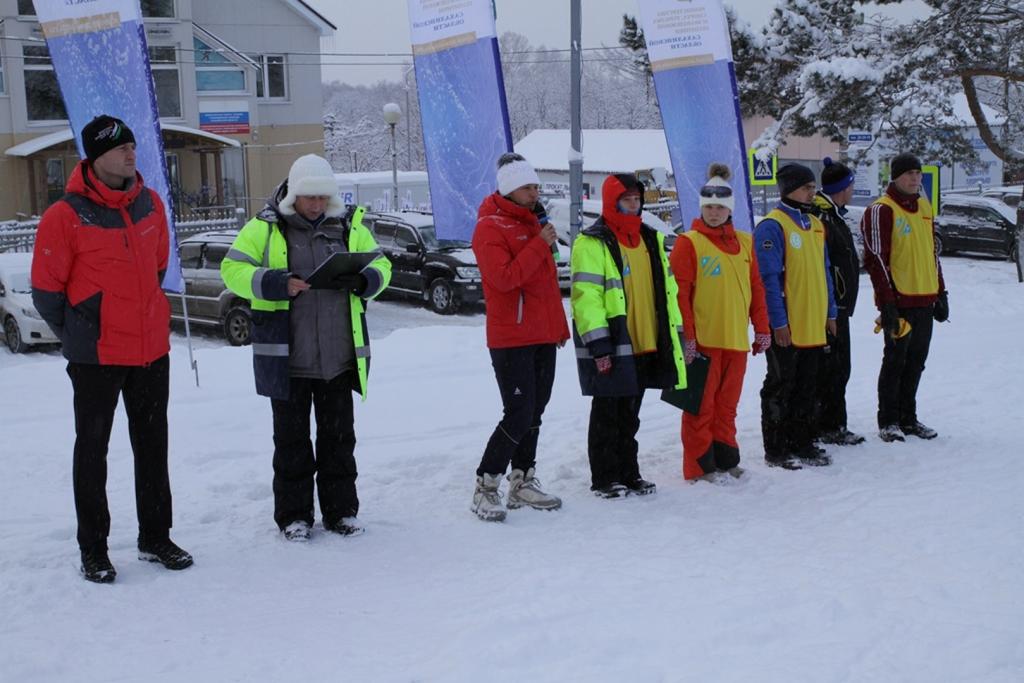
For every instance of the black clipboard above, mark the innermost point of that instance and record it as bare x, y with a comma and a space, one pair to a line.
340, 263
690, 398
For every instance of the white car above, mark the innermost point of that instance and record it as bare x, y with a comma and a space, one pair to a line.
22, 324
558, 214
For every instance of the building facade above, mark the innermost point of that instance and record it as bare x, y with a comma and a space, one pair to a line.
238, 85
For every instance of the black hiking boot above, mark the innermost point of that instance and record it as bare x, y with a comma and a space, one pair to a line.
641, 487
96, 566
813, 456
919, 430
841, 437
785, 462
346, 526
165, 552
613, 490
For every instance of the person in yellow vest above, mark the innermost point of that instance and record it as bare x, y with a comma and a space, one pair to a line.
310, 346
720, 294
794, 264
626, 328
900, 256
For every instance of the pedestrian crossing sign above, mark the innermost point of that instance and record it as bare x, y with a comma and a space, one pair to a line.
762, 168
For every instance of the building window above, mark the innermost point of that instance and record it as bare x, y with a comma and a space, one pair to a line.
158, 9
42, 94
272, 81
164, 64
214, 71
25, 8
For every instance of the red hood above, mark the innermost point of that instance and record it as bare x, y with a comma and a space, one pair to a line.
497, 204
84, 182
626, 228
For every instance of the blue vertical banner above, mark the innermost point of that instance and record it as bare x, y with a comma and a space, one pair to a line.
691, 58
98, 48
462, 107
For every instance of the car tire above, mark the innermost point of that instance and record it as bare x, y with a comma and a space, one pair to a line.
12, 335
938, 246
442, 298
1013, 251
238, 326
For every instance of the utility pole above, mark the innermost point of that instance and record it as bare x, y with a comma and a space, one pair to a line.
576, 152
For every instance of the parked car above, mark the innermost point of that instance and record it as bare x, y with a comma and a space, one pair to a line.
1008, 194
976, 224
209, 301
441, 272
23, 326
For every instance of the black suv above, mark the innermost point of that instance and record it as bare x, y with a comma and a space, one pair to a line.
441, 272
210, 302
977, 224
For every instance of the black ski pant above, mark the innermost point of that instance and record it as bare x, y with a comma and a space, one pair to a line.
902, 365
96, 392
333, 462
525, 375
611, 440
787, 400
833, 376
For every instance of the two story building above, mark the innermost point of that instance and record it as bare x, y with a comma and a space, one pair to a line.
238, 84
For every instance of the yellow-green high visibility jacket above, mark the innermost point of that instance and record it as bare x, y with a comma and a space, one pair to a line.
599, 315
256, 268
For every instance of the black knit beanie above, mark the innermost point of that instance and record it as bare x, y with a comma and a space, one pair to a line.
103, 134
792, 177
901, 163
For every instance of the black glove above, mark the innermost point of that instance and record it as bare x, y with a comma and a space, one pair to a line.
354, 282
941, 310
890, 320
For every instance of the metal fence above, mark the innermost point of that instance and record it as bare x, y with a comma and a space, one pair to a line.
21, 235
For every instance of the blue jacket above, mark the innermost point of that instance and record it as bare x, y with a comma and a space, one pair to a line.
770, 244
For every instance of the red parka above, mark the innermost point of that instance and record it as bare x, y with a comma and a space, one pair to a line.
100, 255
524, 302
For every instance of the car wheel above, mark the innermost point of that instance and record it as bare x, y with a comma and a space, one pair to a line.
442, 297
238, 326
1013, 251
938, 245
12, 335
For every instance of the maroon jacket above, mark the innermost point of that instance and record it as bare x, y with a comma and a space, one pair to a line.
876, 228
524, 302
100, 256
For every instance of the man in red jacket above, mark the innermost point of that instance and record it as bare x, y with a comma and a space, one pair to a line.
100, 256
525, 324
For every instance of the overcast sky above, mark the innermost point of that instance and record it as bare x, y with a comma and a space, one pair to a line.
374, 26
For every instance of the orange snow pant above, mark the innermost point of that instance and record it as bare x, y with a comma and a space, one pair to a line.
709, 439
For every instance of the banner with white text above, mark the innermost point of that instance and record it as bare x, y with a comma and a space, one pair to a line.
98, 49
462, 107
691, 58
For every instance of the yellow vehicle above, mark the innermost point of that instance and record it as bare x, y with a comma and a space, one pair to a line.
660, 197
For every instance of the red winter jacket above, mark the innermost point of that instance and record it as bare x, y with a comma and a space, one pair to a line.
100, 256
524, 303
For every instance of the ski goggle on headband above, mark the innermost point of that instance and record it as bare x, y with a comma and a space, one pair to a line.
716, 191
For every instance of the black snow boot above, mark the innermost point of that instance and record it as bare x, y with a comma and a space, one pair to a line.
96, 566
786, 462
919, 430
813, 456
641, 487
165, 552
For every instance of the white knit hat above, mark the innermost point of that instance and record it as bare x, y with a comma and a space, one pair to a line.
312, 176
717, 191
514, 175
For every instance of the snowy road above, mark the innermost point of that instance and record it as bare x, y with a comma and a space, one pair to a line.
902, 562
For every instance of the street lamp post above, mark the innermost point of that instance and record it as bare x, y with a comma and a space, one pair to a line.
392, 115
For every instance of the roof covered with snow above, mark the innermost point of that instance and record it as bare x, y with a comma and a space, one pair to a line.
604, 151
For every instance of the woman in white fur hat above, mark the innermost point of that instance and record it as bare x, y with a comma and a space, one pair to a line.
310, 349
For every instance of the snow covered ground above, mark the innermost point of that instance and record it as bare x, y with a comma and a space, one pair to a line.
902, 562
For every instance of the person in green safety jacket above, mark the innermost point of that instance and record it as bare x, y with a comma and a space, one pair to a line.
626, 328
310, 346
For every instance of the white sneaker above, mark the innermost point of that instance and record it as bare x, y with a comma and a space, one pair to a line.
297, 531
487, 499
524, 489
